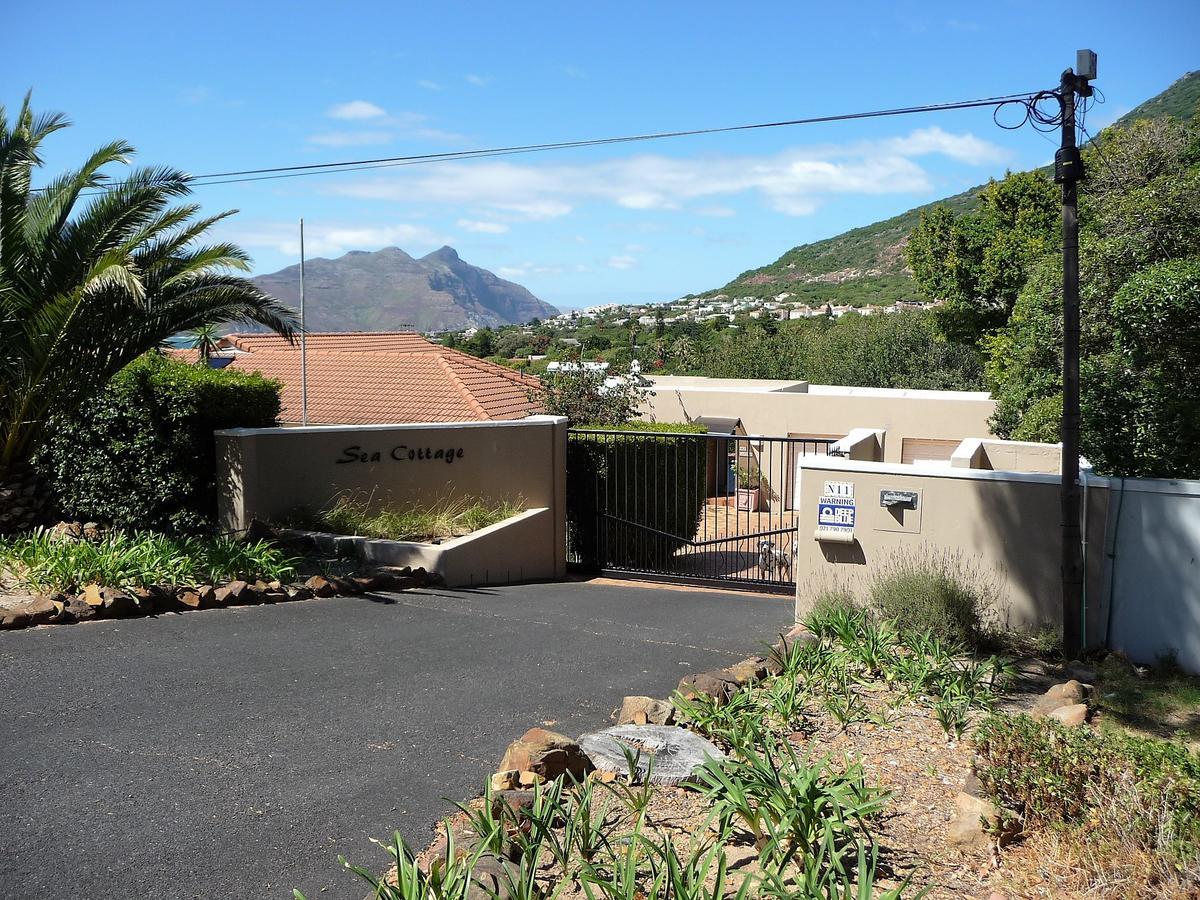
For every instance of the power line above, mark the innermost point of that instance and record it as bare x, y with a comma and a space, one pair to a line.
358, 165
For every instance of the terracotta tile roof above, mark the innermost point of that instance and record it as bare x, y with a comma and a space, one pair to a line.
369, 341
425, 382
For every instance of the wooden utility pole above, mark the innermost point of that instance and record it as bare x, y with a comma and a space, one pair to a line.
1068, 169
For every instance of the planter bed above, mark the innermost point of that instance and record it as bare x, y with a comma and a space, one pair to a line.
518, 548
100, 602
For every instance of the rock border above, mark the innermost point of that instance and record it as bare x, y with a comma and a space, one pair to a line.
96, 601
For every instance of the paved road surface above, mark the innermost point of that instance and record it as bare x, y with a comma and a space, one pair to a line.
235, 753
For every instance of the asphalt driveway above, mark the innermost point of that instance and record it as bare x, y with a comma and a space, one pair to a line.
236, 752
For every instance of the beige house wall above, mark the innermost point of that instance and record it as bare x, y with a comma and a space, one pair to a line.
265, 473
1004, 523
817, 410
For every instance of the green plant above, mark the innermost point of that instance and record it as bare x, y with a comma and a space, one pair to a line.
737, 723
1049, 774
355, 514
748, 479
41, 561
610, 475
141, 454
788, 804
933, 591
86, 290
450, 879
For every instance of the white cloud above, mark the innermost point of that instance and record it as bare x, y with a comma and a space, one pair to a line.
719, 212
351, 138
356, 109
524, 270
477, 80
622, 262
483, 227
430, 85
794, 182
335, 239
965, 148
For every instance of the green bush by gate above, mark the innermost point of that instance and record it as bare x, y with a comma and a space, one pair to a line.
142, 454
633, 497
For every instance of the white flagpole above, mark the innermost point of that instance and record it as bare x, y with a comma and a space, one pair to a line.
303, 341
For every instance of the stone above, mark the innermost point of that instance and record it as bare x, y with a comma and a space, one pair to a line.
150, 599
1080, 672
1072, 715
506, 780
749, 670
118, 603
238, 593
42, 609
91, 596
798, 634
347, 587
320, 586
718, 685
1031, 665
1072, 691
13, 617
975, 822
76, 610
297, 592
649, 710
511, 802
662, 754
528, 779
546, 753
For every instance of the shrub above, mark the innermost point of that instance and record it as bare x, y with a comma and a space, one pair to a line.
42, 561
142, 455
933, 592
351, 514
1133, 789
613, 480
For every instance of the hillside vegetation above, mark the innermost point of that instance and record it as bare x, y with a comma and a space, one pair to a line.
867, 264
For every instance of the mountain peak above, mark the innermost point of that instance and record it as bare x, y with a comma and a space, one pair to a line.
445, 253
388, 289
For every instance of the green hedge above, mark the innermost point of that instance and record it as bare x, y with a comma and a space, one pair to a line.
656, 482
141, 455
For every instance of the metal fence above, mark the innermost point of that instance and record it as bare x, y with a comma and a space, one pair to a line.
699, 508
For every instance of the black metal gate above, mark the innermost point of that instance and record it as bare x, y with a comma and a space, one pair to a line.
697, 508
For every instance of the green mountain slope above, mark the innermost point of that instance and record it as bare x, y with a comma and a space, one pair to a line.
866, 265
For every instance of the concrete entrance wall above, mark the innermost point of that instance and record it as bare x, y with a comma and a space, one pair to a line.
265, 473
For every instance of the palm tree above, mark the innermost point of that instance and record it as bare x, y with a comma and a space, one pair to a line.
684, 351
205, 340
93, 273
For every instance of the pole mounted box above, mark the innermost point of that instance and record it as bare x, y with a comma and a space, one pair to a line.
1085, 64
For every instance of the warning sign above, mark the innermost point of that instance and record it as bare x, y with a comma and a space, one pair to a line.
835, 509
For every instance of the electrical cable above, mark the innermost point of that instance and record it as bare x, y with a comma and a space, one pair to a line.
269, 173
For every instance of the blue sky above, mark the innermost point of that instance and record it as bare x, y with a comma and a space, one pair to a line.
223, 86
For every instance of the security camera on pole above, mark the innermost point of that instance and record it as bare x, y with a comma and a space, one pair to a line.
1068, 169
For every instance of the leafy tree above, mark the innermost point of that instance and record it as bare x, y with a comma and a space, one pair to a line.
976, 263
684, 350
587, 397
95, 272
1139, 302
482, 343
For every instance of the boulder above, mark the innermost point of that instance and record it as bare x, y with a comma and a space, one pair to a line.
297, 592
23, 612
662, 754
347, 587
320, 586
202, 597
546, 753
1071, 691
749, 670
13, 617
91, 596
1072, 715
977, 822
76, 610
799, 634
718, 685
1080, 672
119, 603
645, 711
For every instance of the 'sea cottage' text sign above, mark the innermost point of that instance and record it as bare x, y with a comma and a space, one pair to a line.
400, 453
